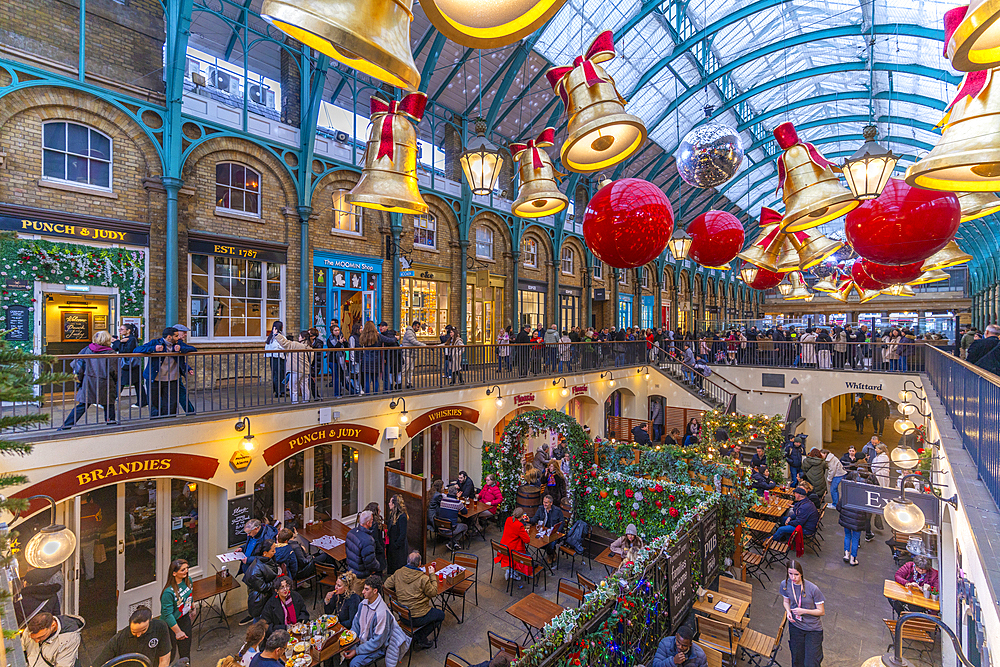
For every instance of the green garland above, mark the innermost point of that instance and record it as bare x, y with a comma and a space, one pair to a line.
62, 263
744, 428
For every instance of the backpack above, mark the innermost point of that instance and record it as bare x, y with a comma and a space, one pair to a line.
574, 537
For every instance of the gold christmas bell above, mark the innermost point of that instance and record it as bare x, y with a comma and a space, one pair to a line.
538, 195
967, 156
932, 276
389, 178
488, 25
950, 255
769, 244
972, 39
800, 292
810, 189
812, 248
601, 134
372, 36
828, 284
977, 204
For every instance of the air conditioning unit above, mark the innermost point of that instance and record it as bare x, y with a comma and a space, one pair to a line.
341, 136
261, 94
223, 80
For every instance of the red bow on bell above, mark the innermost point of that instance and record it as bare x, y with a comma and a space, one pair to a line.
602, 49
412, 106
545, 139
788, 137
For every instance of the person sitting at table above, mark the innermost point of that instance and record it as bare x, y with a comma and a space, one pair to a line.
434, 504
251, 643
342, 601
674, 438
466, 487
761, 479
913, 576
811, 495
852, 458
450, 507
803, 513
491, 496
640, 435
285, 554
516, 538
273, 654
555, 482
548, 516
501, 659
414, 589
372, 625
628, 545
679, 651
286, 607
759, 458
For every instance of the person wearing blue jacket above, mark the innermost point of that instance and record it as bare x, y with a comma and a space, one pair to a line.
372, 625
163, 374
361, 559
803, 513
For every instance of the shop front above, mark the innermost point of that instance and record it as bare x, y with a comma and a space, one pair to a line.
531, 303
347, 288
624, 311
442, 442
484, 307
569, 308
648, 311
68, 276
424, 293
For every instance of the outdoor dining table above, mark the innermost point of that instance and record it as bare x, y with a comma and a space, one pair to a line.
733, 617
472, 510
759, 525
212, 592
894, 591
610, 561
538, 544
446, 584
314, 531
534, 612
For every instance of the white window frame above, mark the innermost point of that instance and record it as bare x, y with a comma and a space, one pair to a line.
529, 253
211, 301
645, 278
338, 202
259, 192
567, 258
429, 224
623, 280
598, 270
65, 152
484, 229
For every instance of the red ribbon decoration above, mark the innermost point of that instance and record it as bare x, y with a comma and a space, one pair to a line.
602, 49
544, 140
412, 106
952, 19
972, 85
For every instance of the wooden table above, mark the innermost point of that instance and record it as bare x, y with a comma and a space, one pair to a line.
734, 617
776, 508
894, 591
534, 612
473, 510
213, 594
610, 561
759, 525
332, 527
539, 543
447, 584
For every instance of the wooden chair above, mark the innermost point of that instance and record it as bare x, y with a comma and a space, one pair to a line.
568, 551
775, 551
741, 590
503, 645
461, 589
719, 636
574, 591
916, 631
498, 551
526, 561
455, 660
713, 657
753, 566
327, 575
405, 622
756, 647
585, 583
444, 529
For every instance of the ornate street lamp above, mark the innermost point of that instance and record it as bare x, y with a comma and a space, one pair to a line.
481, 161
679, 244
869, 169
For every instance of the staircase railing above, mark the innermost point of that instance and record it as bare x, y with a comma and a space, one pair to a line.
701, 383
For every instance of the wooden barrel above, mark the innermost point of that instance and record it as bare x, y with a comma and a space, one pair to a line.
529, 497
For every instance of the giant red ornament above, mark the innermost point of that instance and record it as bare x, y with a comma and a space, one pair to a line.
863, 280
893, 275
766, 279
716, 237
628, 223
903, 225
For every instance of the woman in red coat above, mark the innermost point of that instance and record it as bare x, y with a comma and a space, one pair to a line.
516, 538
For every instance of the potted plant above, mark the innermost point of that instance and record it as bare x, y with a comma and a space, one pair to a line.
934, 594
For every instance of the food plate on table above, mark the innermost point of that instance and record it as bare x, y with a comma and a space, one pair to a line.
299, 661
300, 647
298, 629
347, 637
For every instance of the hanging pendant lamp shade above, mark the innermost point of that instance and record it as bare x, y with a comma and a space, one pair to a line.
601, 134
972, 38
484, 25
869, 169
748, 273
538, 195
950, 255
371, 36
679, 244
977, 204
481, 161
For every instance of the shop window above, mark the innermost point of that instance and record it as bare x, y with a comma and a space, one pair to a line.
645, 278
346, 216
237, 188
484, 242
76, 154
184, 521
349, 485
529, 253
569, 310
425, 230
232, 298
623, 276
531, 306
598, 270
567, 261
427, 301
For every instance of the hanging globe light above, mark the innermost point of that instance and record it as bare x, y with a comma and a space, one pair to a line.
51, 545
488, 25
481, 161
903, 516
710, 154
904, 426
680, 244
904, 456
869, 169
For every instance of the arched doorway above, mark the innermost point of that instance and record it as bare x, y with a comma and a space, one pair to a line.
841, 429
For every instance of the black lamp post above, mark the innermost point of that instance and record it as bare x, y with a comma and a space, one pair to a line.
896, 659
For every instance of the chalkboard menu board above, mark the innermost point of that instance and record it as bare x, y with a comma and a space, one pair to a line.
17, 323
76, 326
709, 546
681, 594
240, 511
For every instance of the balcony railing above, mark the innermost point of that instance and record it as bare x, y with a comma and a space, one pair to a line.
875, 357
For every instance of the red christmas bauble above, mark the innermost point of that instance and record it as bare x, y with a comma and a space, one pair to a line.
716, 237
893, 275
863, 280
903, 225
628, 223
766, 279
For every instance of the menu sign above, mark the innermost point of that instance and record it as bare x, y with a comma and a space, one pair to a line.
710, 546
240, 511
17, 323
75, 326
681, 580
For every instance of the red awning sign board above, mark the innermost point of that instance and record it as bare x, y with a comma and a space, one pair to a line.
448, 413
320, 435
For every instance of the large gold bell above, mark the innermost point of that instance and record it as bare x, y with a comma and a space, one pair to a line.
975, 44
764, 256
813, 248
977, 204
788, 260
967, 156
811, 190
601, 134
390, 183
538, 195
372, 36
828, 284
932, 276
950, 255
800, 292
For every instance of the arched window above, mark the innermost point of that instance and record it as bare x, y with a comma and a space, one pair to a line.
425, 230
237, 188
76, 153
567, 261
529, 253
484, 242
346, 216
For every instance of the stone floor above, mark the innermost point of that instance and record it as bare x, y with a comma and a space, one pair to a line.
853, 623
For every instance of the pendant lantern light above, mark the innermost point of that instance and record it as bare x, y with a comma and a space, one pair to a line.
869, 169
748, 273
680, 244
481, 161
371, 36
785, 288
474, 23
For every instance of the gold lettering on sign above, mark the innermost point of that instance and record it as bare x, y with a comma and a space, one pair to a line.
444, 414
132, 468
71, 230
347, 433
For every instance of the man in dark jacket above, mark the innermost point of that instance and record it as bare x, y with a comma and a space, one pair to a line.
759, 458
853, 522
880, 412
361, 559
256, 532
794, 451
640, 435
522, 352
466, 487
982, 347
163, 374
259, 579
761, 479
803, 513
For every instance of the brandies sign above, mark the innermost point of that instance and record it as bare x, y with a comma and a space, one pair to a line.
871, 498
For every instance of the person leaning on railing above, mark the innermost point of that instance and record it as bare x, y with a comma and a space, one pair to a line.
299, 364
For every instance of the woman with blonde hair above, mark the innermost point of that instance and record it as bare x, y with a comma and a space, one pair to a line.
97, 381
398, 547
342, 601
371, 360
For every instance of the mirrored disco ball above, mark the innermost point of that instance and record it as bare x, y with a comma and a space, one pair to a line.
709, 155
